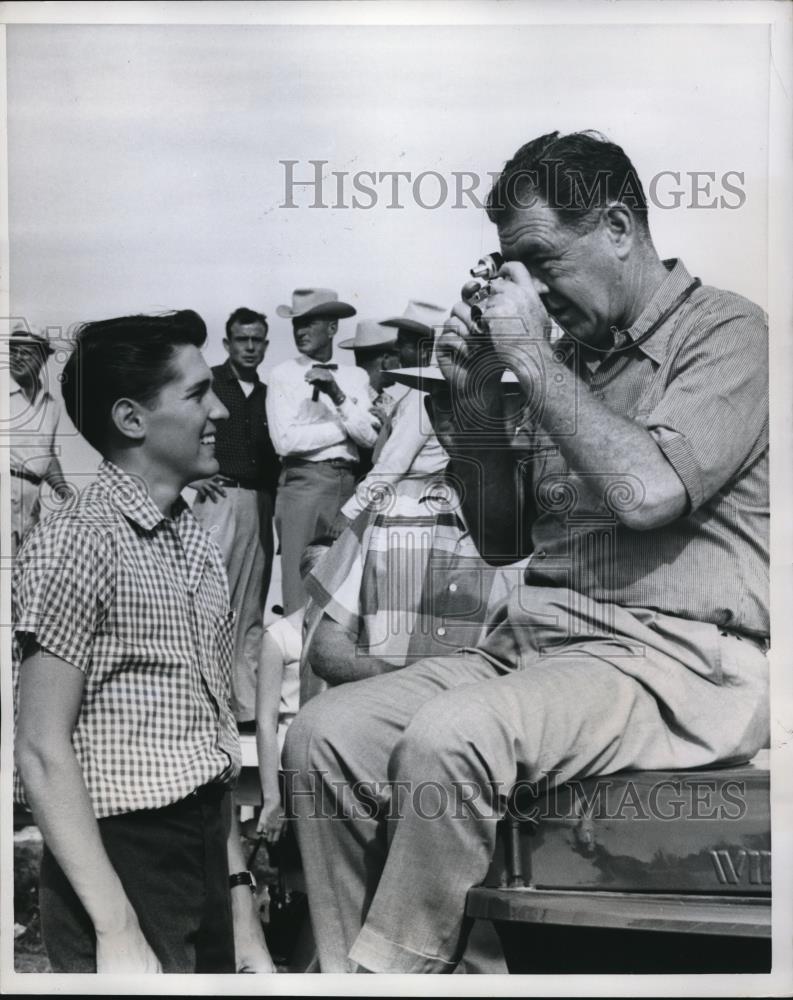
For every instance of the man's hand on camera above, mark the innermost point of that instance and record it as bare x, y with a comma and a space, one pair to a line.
516, 321
472, 371
322, 379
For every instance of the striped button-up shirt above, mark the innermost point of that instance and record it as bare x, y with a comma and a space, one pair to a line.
139, 603
699, 384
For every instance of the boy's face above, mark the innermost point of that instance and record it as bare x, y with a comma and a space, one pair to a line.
180, 423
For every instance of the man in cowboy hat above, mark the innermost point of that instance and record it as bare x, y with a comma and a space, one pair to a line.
319, 416
415, 332
34, 417
406, 431
375, 350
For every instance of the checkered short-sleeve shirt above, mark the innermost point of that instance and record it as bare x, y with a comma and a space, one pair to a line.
139, 603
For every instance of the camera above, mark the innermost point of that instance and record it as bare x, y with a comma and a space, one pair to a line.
477, 290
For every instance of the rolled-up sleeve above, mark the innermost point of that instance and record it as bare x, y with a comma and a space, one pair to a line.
712, 420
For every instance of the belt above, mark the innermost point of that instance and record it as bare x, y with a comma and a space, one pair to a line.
24, 474
334, 463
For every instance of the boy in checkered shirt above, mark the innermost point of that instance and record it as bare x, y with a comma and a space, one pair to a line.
126, 745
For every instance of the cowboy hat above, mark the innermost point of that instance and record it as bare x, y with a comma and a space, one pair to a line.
419, 317
369, 334
22, 336
315, 302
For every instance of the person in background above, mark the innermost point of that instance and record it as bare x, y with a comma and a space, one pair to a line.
375, 350
279, 695
33, 424
404, 580
126, 744
319, 417
236, 504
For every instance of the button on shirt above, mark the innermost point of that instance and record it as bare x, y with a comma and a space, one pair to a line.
139, 603
317, 430
699, 384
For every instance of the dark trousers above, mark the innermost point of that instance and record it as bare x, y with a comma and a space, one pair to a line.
173, 865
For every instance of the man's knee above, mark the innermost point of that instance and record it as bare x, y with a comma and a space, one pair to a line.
321, 730
443, 731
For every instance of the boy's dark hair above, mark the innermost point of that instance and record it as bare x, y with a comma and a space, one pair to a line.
127, 357
574, 174
245, 317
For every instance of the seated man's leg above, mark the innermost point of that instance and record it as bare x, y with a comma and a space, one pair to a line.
457, 760
343, 737
632, 689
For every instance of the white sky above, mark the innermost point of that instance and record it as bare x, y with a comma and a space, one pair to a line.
144, 165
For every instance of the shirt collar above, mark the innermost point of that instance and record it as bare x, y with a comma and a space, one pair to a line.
227, 373
675, 283
131, 497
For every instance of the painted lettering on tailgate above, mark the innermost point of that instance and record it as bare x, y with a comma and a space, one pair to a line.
742, 865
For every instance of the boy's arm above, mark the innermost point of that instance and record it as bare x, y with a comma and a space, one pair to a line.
268, 698
250, 948
50, 696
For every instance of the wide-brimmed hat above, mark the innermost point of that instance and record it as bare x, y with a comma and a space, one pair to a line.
369, 334
419, 317
315, 302
22, 336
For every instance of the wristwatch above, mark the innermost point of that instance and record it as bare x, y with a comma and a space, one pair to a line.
242, 878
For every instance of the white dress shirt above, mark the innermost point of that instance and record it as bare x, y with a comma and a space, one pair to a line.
32, 428
318, 430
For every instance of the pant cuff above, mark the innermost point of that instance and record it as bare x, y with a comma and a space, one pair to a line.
378, 954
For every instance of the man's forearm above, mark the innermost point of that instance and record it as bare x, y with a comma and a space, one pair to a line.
619, 457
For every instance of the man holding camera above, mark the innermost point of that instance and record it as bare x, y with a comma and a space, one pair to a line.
636, 476
319, 416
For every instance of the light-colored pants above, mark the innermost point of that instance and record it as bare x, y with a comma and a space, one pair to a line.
639, 690
241, 525
310, 495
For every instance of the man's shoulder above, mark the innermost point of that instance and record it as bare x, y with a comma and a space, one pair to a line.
722, 322
720, 301
83, 534
283, 371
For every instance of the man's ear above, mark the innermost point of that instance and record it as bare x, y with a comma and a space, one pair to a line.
129, 419
226, 344
620, 226
333, 326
